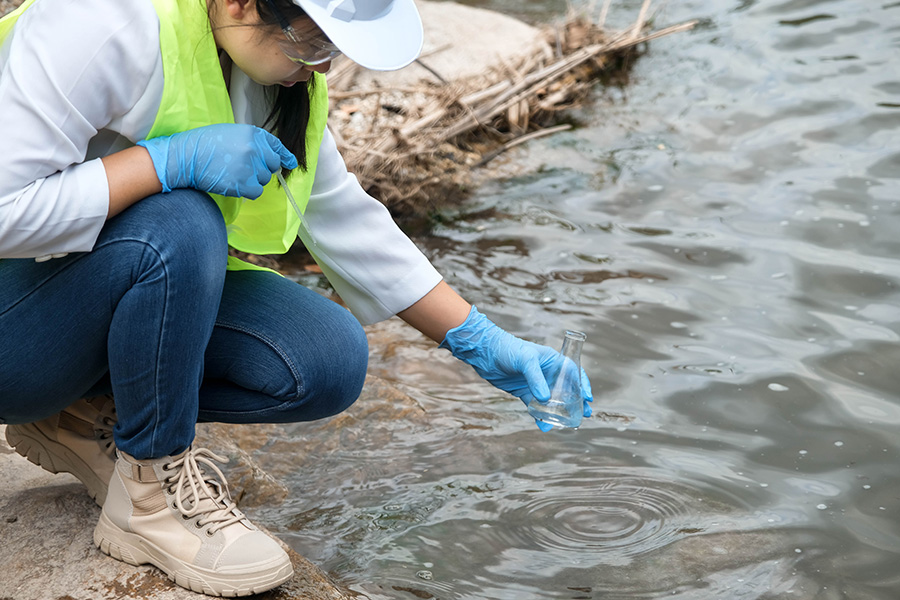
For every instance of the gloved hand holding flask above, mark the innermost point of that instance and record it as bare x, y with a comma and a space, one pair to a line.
229, 159
507, 362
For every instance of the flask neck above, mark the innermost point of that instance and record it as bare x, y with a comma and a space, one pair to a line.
572, 344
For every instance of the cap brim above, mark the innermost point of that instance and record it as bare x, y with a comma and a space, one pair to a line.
389, 42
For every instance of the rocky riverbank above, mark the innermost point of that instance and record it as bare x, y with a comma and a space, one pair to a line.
47, 520
47, 523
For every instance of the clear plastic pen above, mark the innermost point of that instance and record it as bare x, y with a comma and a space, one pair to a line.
290, 197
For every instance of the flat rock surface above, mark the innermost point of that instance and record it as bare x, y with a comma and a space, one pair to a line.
47, 523
47, 520
460, 42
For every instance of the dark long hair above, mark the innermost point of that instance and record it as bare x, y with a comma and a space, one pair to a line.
291, 105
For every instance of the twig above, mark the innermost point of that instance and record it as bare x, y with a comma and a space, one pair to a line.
436, 51
601, 22
639, 24
399, 156
520, 140
430, 70
360, 93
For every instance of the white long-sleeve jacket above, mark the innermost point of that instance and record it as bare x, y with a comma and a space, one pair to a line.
81, 79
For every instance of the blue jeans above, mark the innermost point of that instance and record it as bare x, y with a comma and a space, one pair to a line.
152, 315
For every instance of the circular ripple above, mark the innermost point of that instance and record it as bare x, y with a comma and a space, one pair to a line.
625, 515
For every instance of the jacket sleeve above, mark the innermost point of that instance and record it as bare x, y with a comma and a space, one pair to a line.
375, 268
66, 71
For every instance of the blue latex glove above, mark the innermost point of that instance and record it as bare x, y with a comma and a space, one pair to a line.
509, 363
228, 159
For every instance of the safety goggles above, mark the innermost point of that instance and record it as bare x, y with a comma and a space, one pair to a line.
307, 46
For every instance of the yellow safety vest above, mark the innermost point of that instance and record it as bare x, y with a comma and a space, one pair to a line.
194, 95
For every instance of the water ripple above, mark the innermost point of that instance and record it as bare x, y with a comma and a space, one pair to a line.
612, 519
626, 517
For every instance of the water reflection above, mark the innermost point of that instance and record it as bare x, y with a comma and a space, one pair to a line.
724, 230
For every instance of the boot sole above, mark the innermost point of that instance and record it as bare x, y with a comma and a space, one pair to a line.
28, 441
136, 550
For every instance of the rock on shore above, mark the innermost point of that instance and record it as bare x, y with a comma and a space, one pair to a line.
461, 42
47, 523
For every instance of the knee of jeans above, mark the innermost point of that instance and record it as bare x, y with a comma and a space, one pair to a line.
337, 384
354, 361
195, 225
183, 232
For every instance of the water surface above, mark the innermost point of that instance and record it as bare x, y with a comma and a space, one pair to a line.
724, 229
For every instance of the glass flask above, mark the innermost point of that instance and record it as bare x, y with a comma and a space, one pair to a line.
565, 407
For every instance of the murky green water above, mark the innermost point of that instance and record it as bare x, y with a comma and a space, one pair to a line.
725, 229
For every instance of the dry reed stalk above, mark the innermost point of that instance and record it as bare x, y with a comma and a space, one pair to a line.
424, 141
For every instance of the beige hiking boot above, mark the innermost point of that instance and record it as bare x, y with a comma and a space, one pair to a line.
78, 440
176, 513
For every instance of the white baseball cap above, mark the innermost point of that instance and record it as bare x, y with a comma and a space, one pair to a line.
382, 35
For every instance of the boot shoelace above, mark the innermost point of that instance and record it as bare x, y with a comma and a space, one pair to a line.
103, 427
193, 485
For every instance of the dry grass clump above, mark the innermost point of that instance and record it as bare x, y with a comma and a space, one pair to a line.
8, 6
415, 147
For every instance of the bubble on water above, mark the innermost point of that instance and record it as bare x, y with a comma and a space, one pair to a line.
821, 506
426, 575
677, 325
427, 565
798, 550
839, 443
803, 452
777, 387
867, 487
